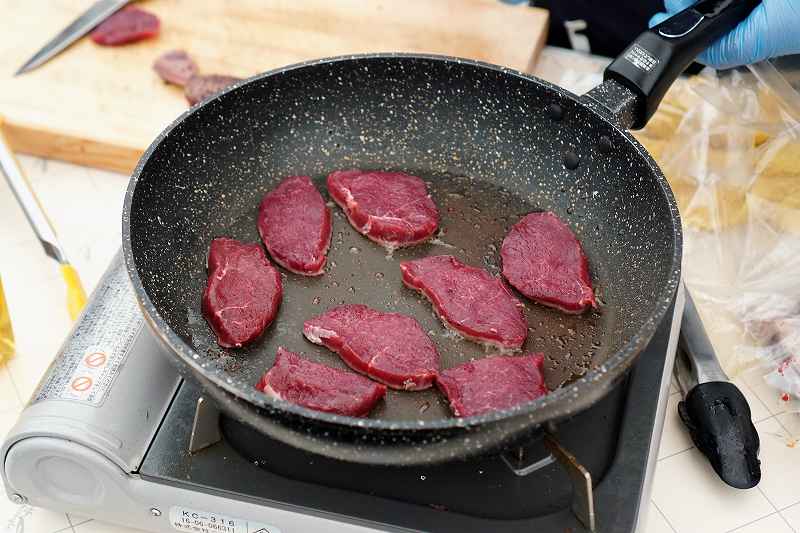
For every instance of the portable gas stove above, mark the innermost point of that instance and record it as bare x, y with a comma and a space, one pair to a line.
114, 432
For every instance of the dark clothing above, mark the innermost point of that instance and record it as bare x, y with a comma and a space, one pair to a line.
611, 25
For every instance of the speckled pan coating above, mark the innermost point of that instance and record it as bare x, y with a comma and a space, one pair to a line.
522, 144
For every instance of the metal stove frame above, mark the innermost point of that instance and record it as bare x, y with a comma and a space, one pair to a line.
124, 459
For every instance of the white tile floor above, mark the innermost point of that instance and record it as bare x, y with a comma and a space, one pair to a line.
689, 498
85, 205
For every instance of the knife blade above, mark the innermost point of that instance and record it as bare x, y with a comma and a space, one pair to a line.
97, 13
28, 201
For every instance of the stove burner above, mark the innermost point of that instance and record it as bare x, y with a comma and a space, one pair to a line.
522, 482
520, 490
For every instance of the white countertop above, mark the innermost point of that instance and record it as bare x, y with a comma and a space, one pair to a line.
85, 206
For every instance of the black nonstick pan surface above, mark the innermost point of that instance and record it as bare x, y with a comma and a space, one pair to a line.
493, 145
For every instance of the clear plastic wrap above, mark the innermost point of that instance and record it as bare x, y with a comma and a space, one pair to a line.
729, 144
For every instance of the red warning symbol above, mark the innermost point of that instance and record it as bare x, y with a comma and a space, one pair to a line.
81, 384
95, 359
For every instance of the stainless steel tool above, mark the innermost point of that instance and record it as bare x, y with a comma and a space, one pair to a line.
97, 13
76, 297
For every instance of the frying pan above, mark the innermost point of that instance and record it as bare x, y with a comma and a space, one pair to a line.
493, 144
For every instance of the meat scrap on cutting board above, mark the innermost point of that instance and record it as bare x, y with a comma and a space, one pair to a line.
393, 209
243, 292
543, 260
469, 300
322, 388
388, 347
493, 383
127, 25
178, 67
175, 66
295, 225
203, 86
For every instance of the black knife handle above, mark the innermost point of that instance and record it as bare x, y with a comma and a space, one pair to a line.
658, 56
718, 418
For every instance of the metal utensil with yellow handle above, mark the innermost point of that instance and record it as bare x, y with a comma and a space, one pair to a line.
6, 333
76, 297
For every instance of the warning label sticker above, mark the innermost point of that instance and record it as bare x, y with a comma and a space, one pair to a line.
93, 355
194, 521
91, 377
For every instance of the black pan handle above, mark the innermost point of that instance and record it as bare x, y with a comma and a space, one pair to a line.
658, 56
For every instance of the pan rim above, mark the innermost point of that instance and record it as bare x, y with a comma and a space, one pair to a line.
613, 366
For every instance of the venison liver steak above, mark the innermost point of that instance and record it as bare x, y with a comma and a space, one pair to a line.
391, 208
127, 25
494, 383
322, 388
175, 66
469, 300
243, 292
295, 225
543, 259
388, 347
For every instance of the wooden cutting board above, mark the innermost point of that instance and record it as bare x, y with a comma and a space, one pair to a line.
102, 106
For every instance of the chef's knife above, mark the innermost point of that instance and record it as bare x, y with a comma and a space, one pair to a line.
76, 297
97, 13
714, 410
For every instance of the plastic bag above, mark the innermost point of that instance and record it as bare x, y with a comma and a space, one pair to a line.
729, 144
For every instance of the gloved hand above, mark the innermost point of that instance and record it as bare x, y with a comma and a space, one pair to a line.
771, 30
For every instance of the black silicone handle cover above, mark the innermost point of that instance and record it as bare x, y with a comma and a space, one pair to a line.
718, 418
658, 56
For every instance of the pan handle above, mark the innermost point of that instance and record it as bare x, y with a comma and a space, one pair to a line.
658, 56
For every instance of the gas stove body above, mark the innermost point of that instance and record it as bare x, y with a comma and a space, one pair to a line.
107, 435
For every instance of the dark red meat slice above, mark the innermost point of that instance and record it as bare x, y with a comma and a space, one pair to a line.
319, 387
391, 208
469, 300
200, 87
295, 225
388, 347
175, 67
243, 292
493, 383
545, 262
127, 25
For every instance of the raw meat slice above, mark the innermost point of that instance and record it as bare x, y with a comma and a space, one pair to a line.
388, 347
243, 293
322, 388
469, 300
492, 384
127, 25
200, 87
295, 225
175, 67
391, 208
545, 262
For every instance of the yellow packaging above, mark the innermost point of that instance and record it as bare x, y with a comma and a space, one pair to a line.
6, 333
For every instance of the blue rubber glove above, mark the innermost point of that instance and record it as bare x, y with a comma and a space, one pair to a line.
771, 30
